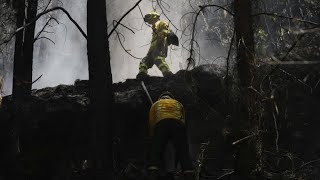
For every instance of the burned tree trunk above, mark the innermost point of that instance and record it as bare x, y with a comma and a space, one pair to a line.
22, 75
28, 45
23, 57
17, 91
26, 77
244, 39
247, 161
100, 90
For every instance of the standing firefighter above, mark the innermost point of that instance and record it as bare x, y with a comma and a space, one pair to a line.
167, 122
162, 37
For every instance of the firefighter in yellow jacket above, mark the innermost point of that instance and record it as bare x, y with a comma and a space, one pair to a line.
158, 48
167, 122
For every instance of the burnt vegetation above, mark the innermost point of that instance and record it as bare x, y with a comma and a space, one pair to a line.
252, 113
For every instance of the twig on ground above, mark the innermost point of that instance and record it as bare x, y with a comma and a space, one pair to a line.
307, 164
297, 79
226, 174
243, 139
277, 131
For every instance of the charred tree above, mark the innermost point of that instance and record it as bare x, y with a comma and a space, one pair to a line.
23, 56
100, 89
28, 45
17, 91
18, 88
247, 161
22, 74
25, 86
23, 59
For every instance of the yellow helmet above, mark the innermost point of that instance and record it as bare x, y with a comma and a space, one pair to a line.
150, 16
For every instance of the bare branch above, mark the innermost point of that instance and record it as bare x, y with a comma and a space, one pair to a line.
191, 51
293, 62
297, 79
305, 31
225, 174
47, 5
307, 164
42, 30
276, 129
8, 40
124, 26
277, 66
118, 35
166, 14
293, 46
37, 79
115, 27
46, 39
228, 64
286, 17
54, 9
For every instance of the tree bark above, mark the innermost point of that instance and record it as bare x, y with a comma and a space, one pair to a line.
22, 73
244, 39
18, 56
23, 56
247, 161
100, 89
17, 91
25, 124
28, 45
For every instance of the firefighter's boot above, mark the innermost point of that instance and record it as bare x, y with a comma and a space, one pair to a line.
142, 76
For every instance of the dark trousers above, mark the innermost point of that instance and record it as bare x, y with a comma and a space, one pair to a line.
174, 130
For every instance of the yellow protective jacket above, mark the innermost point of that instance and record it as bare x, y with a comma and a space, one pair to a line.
165, 109
159, 45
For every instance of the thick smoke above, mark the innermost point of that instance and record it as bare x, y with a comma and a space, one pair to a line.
63, 58
60, 55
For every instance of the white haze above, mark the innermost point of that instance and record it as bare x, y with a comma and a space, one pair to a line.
66, 60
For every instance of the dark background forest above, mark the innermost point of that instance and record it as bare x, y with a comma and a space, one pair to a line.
247, 72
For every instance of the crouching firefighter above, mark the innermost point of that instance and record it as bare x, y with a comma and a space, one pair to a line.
162, 37
167, 122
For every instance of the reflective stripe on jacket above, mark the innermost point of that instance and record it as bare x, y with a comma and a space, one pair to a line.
166, 109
